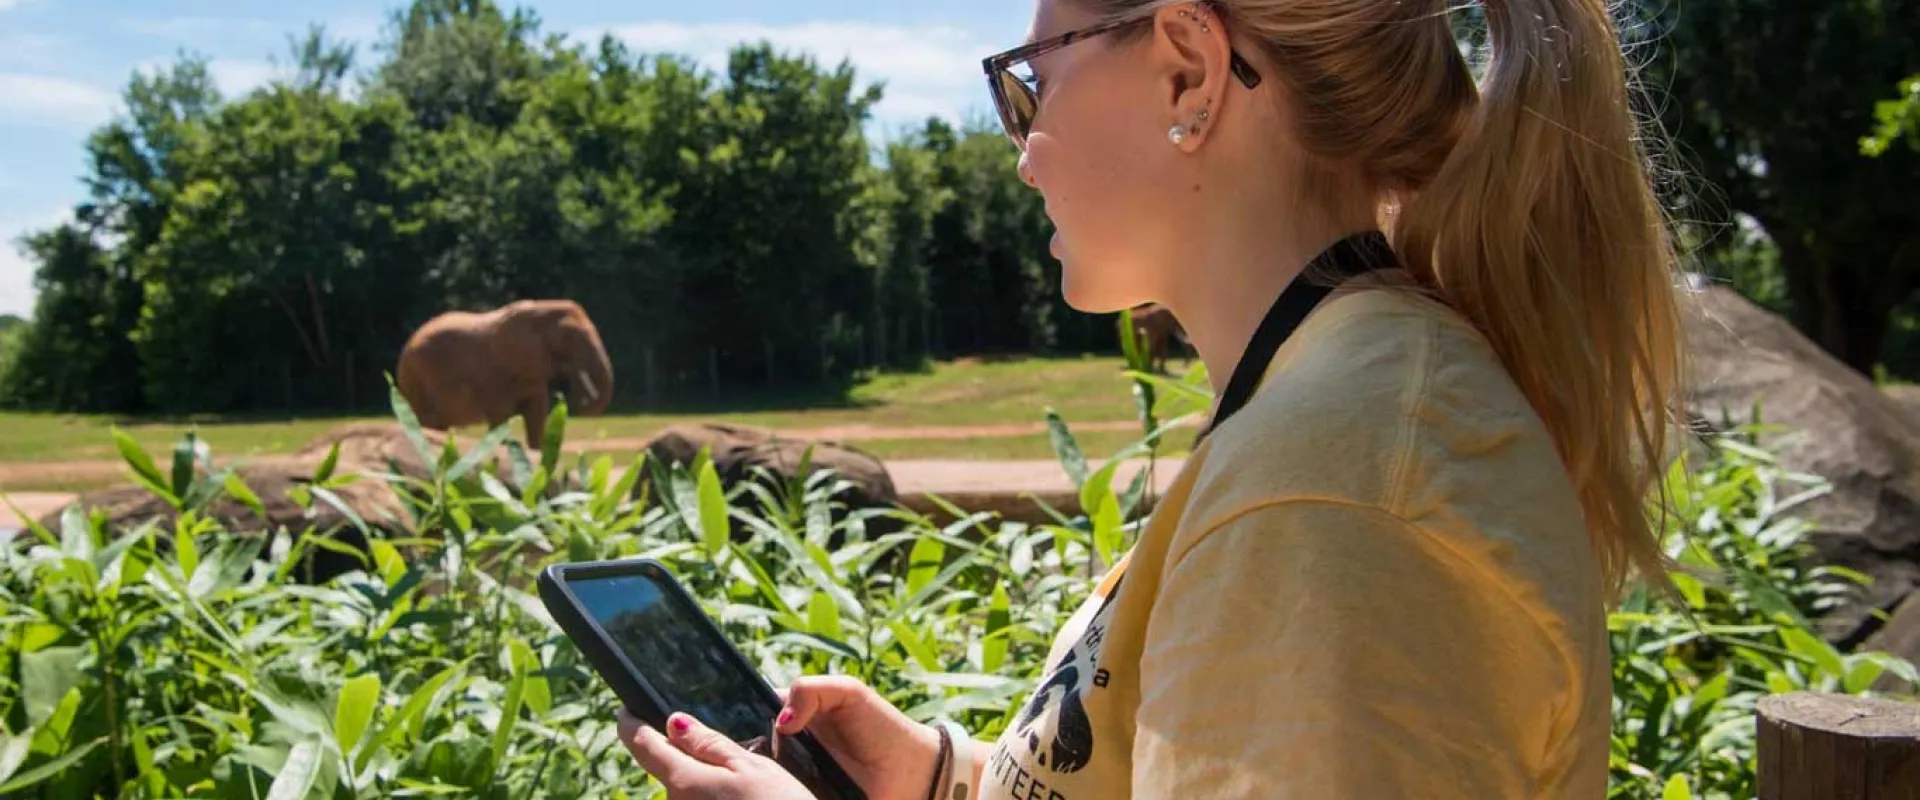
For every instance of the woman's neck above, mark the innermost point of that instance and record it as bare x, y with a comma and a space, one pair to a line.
1232, 290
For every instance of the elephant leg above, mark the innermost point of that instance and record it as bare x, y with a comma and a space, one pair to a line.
533, 412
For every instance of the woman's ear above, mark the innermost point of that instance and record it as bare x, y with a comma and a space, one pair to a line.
1193, 57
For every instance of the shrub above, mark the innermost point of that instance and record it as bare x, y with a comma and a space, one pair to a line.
189, 661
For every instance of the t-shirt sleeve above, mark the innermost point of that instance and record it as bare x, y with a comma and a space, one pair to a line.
1314, 649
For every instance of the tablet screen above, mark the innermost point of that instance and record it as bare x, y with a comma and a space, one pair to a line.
678, 654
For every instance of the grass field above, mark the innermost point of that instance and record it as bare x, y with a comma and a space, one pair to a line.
955, 394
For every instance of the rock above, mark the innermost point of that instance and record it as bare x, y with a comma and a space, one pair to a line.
1840, 427
1901, 637
128, 507
1907, 395
368, 449
737, 449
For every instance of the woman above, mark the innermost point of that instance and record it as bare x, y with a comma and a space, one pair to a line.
1384, 570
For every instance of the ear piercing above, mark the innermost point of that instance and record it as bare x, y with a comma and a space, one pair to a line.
1178, 133
1200, 19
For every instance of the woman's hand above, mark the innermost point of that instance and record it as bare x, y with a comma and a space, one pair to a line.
696, 762
889, 755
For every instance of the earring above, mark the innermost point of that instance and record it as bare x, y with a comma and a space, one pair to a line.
1200, 19
1177, 134
1202, 115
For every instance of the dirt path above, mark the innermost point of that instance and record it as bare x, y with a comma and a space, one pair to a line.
972, 485
85, 471
955, 477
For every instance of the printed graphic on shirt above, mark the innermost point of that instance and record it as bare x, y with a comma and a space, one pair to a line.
1054, 728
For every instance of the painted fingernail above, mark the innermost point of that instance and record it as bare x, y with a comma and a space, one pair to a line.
680, 724
786, 716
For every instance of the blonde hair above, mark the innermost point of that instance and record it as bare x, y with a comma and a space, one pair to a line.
1525, 203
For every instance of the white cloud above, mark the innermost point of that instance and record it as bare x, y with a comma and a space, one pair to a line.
238, 76
49, 101
927, 70
7, 4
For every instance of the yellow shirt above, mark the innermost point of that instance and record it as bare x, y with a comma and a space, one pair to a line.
1372, 582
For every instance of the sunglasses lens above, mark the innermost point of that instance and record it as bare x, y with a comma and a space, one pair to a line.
1017, 105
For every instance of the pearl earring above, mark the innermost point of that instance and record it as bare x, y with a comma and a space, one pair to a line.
1177, 134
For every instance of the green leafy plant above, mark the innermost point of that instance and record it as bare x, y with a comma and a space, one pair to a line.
187, 660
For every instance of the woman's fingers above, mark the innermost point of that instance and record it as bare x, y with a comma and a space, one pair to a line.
704, 744
660, 758
813, 696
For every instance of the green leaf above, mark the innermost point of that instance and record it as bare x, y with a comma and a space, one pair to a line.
510, 711
554, 435
50, 769
488, 444
46, 676
539, 695
1861, 674
713, 510
143, 468
1066, 449
183, 455
1806, 645
409, 423
238, 488
915, 646
924, 562
324, 472
298, 775
823, 615
410, 723
1677, 789
993, 650
354, 710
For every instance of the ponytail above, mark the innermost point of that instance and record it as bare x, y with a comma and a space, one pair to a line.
1542, 228
1524, 203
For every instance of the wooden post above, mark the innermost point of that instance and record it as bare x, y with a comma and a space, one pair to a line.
1837, 747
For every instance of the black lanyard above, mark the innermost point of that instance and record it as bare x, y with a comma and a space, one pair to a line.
1344, 259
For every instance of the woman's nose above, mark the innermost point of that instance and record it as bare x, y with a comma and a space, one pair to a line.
1026, 171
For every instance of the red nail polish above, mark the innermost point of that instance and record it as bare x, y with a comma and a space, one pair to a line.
679, 724
786, 716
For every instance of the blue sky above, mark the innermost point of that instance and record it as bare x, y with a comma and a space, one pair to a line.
64, 62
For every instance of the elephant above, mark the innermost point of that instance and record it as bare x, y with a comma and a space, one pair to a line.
1157, 328
466, 368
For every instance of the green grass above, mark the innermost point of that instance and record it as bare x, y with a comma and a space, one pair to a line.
960, 393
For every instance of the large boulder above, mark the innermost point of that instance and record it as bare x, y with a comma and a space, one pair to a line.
365, 448
1839, 426
737, 450
126, 508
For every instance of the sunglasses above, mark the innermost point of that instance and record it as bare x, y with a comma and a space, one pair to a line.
1018, 99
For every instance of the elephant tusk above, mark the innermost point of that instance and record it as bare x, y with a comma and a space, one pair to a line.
586, 384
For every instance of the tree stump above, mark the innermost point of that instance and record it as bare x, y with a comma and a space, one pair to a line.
1838, 747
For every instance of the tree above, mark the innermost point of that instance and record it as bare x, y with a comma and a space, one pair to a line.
1767, 103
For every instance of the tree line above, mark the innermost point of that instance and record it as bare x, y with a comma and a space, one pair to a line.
724, 230
737, 229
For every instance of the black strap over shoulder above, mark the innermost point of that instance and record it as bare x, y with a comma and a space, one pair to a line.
1344, 259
